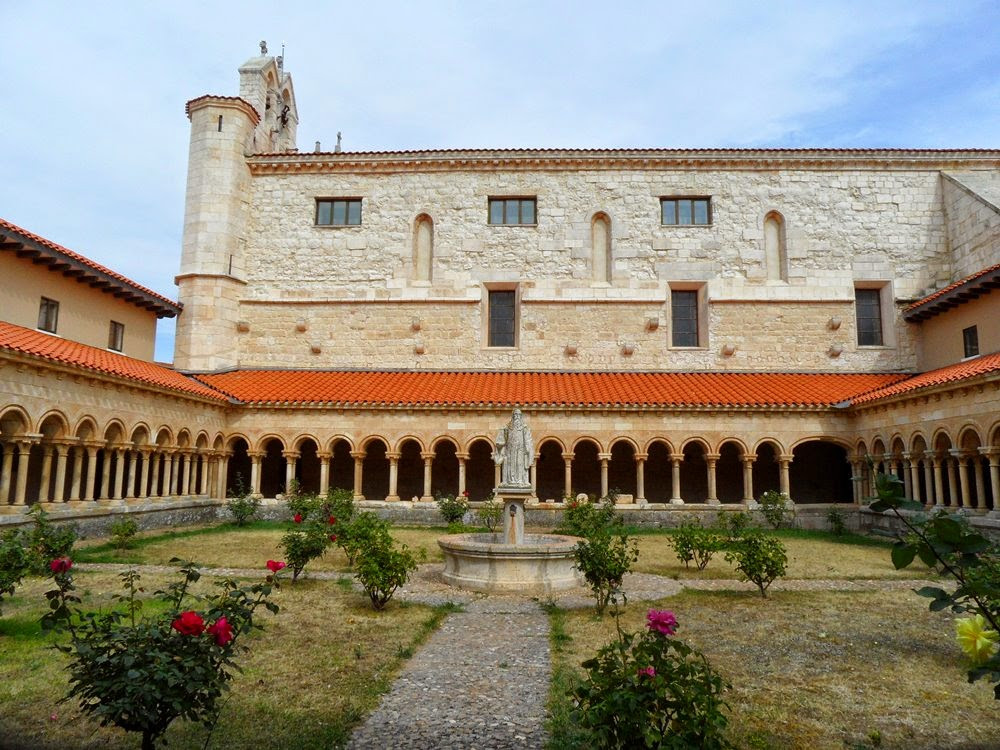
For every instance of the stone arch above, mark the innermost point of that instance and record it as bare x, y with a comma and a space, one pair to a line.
298, 440
946, 470
114, 431
53, 425
218, 443
184, 438
657, 476
923, 488
586, 467
307, 463
14, 420
820, 472
264, 440
140, 434
164, 437
341, 463
86, 428
622, 467
550, 470
375, 469
410, 469
201, 440
729, 471
444, 466
587, 439
600, 248
976, 490
775, 252
273, 467
664, 441
239, 468
879, 455
423, 248
479, 468
694, 471
766, 471
399, 443
994, 433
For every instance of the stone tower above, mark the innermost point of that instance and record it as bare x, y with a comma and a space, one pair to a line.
225, 130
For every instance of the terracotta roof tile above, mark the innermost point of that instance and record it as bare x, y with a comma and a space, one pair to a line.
392, 388
975, 284
47, 346
990, 152
49, 244
972, 368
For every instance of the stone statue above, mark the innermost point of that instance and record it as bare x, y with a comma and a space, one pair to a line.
515, 452
263, 47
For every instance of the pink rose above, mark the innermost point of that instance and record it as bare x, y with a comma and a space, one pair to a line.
60, 565
662, 621
274, 565
647, 672
222, 631
189, 623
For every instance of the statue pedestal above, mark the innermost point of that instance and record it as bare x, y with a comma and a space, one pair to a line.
513, 512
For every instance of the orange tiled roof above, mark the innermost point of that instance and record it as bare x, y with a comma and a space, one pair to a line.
590, 389
47, 346
963, 290
163, 306
984, 365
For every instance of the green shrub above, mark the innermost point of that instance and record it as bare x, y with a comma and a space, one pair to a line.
837, 520
452, 508
731, 526
340, 504
605, 558
123, 532
776, 508
359, 532
490, 513
47, 541
14, 562
693, 543
586, 518
312, 531
651, 691
242, 504
141, 673
759, 558
381, 568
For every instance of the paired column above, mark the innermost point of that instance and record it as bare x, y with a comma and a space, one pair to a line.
393, 495
568, 477
640, 477
24, 444
928, 480
324, 471
74, 490
428, 458
147, 453
710, 461
221, 489
462, 458
675, 478
959, 456
291, 458
783, 483
748, 460
993, 454
359, 457
604, 458
255, 460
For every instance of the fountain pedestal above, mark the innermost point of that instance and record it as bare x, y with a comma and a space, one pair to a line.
513, 512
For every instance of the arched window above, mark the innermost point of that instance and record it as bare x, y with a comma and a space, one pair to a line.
775, 257
600, 252
423, 248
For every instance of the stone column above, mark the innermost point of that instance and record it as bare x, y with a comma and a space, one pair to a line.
928, 481
359, 457
963, 477
496, 476
953, 497
291, 459
907, 483
221, 490
104, 490
23, 454
783, 484
89, 495
170, 472
640, 477
324, 471
154, 483
938, 483
120, 452
133, 457
977, 473
604, 458
462, 458
533, 478
188, 473
856, 479
912, 464
206, 461
748, 479
393, 496
710, 461
6, 469
993, 454
568, 480
74, 489
675, 478
255, 459
45, 485
143, 493
428, 458
62, 452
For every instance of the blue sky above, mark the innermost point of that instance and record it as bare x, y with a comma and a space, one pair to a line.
95, 137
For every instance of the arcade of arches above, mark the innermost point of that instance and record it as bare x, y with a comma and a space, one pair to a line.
49, 458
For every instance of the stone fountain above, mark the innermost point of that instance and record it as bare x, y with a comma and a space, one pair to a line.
511, 561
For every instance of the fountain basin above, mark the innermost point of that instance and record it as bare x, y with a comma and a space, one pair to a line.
483, 562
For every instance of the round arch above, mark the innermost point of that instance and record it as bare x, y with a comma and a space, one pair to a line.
820, 472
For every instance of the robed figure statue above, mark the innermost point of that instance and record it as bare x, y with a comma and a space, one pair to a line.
515, 452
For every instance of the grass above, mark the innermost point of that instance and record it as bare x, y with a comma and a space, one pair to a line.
316, 670
817, 669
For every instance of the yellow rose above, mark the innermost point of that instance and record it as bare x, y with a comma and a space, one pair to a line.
975, 639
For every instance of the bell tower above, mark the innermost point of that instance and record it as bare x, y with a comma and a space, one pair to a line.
225, 130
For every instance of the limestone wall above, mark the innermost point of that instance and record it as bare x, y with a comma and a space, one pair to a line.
972, 207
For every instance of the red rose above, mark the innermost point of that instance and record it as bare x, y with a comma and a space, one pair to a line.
189, 623
297, 518
332, 520
465, 493
60, 565
333, 537
274, 565
222, 631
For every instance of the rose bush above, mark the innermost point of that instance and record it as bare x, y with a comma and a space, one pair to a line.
141, 673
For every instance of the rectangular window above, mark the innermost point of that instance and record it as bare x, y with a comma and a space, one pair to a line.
338, 212
868, 305
686, 211
116, 336
684, 317
513, 211
970, 340
502, 314
48, 315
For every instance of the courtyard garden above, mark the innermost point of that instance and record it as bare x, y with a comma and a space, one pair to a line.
840, 654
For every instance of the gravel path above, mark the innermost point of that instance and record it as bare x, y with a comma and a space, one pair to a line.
480, 681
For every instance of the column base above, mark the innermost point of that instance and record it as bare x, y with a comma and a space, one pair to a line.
79, 503
392, 498
676, 501
427, 499
110, 502
713, 501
